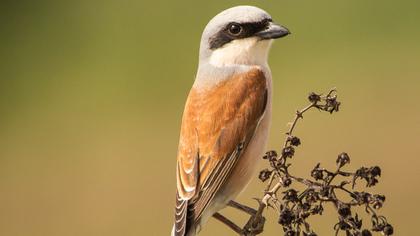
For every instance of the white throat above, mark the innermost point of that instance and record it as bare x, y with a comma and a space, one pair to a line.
248, 51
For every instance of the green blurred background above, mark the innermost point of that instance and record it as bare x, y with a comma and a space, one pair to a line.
92, 92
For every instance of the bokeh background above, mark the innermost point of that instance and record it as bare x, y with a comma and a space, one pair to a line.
92, 92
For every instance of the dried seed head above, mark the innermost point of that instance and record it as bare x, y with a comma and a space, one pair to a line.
342, 159
375, 171
344, 210
332, 105
288, 151
317, 173
313, 97
264, 175
270, 155
286, 181
295, 141
290, 195
377, 201
286, 217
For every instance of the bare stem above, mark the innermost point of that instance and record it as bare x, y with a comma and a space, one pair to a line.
294, 206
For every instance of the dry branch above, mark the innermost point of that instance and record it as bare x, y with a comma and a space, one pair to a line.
294, 207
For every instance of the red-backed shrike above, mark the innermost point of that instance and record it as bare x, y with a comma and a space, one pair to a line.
227, 115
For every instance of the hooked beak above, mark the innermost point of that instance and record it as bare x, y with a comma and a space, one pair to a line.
273, 31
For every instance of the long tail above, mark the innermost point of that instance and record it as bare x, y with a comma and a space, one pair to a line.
182, 225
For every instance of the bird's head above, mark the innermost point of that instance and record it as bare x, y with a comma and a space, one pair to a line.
240, 35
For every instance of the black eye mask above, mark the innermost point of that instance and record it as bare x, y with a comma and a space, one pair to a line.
249, 29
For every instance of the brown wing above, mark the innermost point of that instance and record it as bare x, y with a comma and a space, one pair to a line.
217, 125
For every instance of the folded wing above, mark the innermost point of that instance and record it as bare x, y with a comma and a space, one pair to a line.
217, 126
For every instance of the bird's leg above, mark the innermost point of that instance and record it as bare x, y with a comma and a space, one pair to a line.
243, 208
228, 223
255, 224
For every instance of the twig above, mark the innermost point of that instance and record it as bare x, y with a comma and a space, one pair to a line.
294, 207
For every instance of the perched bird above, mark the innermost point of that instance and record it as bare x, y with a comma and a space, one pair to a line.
226, 117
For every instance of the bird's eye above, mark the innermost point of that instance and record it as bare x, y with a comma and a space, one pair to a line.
235, 29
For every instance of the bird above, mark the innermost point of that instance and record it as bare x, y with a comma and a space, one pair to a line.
227, 115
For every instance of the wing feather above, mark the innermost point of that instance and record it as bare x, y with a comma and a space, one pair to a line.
217, 126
